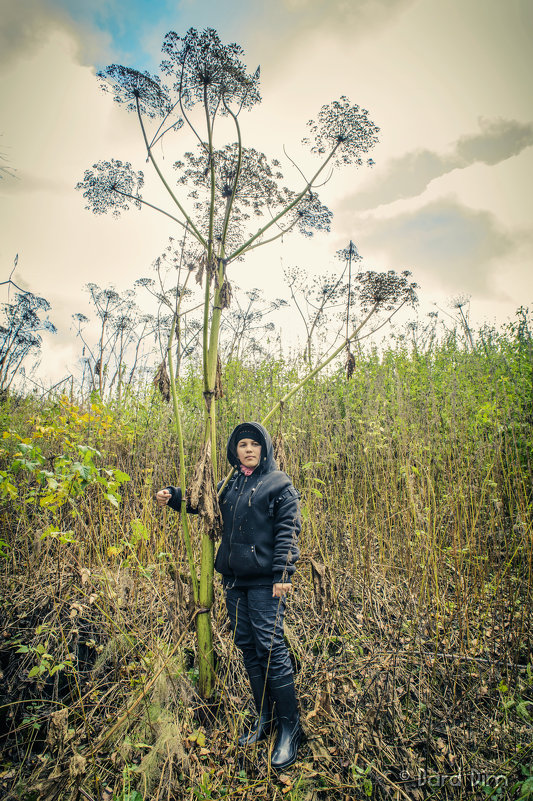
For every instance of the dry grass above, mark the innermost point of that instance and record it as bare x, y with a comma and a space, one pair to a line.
409, 625
387, 690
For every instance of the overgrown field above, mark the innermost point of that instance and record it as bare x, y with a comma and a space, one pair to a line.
409, 625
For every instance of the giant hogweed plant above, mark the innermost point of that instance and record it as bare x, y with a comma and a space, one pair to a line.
230, 199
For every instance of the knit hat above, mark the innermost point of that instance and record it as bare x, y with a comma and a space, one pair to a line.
246, 433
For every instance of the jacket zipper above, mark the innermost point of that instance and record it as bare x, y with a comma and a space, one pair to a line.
245, 479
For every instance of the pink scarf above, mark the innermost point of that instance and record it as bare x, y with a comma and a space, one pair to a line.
247, 470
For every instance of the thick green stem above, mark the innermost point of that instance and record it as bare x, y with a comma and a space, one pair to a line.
205, 331
203, 590
179, 431
215, 328
203, 621
204, 632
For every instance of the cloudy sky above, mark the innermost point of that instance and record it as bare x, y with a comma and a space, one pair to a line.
446, 80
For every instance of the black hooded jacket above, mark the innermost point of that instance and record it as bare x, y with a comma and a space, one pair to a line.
261, 517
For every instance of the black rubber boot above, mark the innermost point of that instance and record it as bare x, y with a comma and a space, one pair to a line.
283, 697
261, 726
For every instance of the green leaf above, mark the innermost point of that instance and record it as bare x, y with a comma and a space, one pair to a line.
112, 500
35, 671
47, 500
121, 477
83, 470
49, 532
87, 452
522, 710
526, 791
132, 795
200, 739
139, 531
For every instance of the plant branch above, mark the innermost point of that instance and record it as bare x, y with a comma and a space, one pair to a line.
284, 211
194, 229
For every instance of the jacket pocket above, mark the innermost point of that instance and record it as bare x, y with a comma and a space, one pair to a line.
243, 561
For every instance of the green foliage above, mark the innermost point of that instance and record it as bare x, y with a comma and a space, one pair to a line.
69, 477
362, 778
416, 479
525, 785
45, 662
34, 477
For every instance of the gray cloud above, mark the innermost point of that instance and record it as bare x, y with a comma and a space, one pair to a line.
281, 26
497, 141
25, 25
411, 174
402, 178
351, 17
460, 248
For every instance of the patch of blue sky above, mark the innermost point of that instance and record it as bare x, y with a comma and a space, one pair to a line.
124, 22
136, 27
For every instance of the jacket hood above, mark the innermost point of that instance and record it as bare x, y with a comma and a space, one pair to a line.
267, 462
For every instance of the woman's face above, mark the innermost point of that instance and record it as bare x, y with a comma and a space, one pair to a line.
249, 452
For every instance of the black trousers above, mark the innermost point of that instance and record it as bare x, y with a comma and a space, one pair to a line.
257, 624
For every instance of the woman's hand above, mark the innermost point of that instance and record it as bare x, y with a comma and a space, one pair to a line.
163, 497
280, 590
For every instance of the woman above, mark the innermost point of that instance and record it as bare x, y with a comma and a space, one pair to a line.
261, 522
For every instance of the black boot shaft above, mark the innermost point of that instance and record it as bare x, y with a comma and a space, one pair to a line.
283, 696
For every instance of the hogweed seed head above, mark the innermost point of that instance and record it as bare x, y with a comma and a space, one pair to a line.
134, 88
204, 68
111, 186
344, 128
